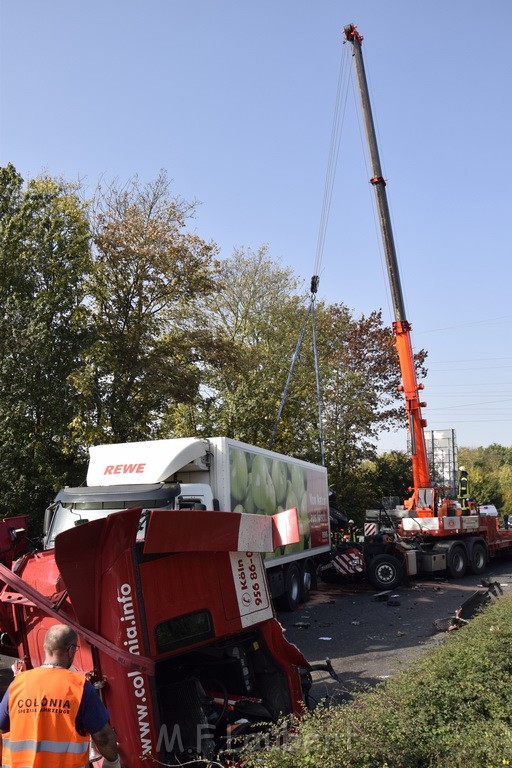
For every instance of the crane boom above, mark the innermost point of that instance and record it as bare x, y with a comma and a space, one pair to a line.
401, 327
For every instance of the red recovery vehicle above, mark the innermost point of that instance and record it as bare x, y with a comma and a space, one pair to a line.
428, 533
175, 621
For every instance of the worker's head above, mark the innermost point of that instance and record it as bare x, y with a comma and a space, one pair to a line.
60, 644
462, 469
351, 522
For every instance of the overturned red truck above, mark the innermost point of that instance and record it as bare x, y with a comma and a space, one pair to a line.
176, 625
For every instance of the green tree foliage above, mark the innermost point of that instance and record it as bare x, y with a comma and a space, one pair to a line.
148, 281
360, 377
387, 475
255, 313
44, 238
490, 475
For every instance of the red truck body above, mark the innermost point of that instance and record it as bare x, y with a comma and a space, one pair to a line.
176, 630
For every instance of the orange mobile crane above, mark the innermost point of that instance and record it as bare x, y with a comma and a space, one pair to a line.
424, 504
428, 533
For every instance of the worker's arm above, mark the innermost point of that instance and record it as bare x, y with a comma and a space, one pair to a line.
93, 718
105, 740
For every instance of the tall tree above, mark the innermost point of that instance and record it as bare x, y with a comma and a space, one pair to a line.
490, 472
256, 313
360, 380
148, 280
388, 475
44, 252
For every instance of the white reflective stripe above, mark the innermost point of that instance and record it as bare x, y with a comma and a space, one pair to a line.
255, 533
59, 747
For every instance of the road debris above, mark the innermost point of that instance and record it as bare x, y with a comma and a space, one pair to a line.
470, 607
382, 596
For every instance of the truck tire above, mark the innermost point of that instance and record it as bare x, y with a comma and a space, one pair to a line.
478, 558
290, 599
385, 572
457, 561
307, 579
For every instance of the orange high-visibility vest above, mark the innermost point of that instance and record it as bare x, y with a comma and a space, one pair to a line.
43, 705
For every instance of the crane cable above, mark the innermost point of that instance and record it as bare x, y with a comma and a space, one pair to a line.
332, 162
340, 106
295, 357
317, 372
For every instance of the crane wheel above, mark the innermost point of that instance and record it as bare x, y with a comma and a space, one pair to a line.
457, 562
385, 572
478, 558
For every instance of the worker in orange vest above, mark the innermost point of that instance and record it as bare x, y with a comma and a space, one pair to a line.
464, 491
50, 713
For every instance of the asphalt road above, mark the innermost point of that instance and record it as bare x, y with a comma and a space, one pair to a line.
368, 640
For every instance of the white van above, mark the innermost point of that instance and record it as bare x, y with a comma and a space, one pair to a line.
487, 509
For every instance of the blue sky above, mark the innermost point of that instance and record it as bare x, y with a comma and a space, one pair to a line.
235, 101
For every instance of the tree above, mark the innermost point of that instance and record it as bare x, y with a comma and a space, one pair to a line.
360, 376
505, 484
44, 242
148, 281
489, 471
393, 476
254, 314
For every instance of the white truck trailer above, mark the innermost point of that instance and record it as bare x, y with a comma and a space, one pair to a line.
215, 473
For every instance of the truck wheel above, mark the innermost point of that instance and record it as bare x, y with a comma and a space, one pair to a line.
478, 559
456, 562
307, 579
385, 572
290, 599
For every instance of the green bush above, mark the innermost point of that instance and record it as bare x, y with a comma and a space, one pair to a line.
451, 709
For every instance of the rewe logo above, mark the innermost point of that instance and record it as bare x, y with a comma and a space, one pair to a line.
124, 469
